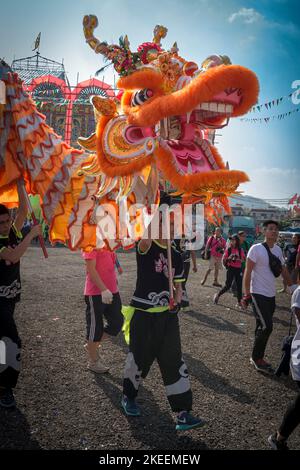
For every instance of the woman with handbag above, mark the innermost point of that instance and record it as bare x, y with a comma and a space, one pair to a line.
232, 260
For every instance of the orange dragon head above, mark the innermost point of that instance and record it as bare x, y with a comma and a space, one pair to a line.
169, 110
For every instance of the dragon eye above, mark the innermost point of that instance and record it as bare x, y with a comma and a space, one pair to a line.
139, 97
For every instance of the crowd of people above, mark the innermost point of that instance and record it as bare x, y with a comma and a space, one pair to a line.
150, 323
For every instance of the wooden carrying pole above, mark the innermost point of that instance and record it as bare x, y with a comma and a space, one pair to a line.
170, 268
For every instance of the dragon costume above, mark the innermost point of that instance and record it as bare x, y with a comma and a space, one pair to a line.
157, 134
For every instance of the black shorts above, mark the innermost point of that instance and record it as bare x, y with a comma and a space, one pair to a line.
7, 323
10, 368
96, 310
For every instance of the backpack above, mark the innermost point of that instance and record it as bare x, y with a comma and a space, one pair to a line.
284, 365
274, 262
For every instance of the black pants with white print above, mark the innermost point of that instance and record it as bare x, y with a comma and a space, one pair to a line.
96, 310
157, 336
10, 345
233, 274
263, 309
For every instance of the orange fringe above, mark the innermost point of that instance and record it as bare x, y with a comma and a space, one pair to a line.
145, 78
194, 183
201, 89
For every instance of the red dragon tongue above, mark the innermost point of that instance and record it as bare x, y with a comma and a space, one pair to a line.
189, 157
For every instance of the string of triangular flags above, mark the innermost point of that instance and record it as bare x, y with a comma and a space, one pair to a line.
271, 118
274, 102
60, 101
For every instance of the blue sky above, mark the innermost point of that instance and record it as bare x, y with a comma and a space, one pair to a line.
262, 35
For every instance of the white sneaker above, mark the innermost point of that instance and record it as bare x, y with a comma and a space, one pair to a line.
98, 367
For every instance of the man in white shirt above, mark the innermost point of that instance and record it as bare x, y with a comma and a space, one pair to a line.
259, 287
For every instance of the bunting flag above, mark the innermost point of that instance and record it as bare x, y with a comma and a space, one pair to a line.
270, 118
293, 199
273, 102
37, 42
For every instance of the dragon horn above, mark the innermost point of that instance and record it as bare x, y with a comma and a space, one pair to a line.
159, 32
90, 22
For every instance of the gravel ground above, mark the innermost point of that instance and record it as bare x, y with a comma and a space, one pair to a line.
61, 405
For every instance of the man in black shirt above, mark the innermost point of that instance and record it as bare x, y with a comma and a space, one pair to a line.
12, 249
154, 332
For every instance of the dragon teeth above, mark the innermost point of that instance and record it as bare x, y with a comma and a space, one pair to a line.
189, 168
213, 107
188, 117
216, 107
204, 106
166, 124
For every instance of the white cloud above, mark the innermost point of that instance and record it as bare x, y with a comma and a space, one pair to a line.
247, 15
251, 16
272, 183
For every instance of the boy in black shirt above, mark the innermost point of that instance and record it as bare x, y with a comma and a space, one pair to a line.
11, 250
154, 332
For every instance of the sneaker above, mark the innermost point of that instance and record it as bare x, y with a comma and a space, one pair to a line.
186, 309
130, 407
216, 284
97, 367
7, 399
277, 444
186, 421
262, 366
216, 299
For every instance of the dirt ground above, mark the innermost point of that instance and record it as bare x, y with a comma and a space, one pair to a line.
61, 405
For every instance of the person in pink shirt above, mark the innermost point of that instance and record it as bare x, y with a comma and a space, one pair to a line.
102, 300
232, 260
215, 245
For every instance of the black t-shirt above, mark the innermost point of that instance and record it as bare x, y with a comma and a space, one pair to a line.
152, 285
180, 245
10, 281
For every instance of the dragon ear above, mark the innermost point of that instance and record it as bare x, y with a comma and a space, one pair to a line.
103, 107
88, 143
